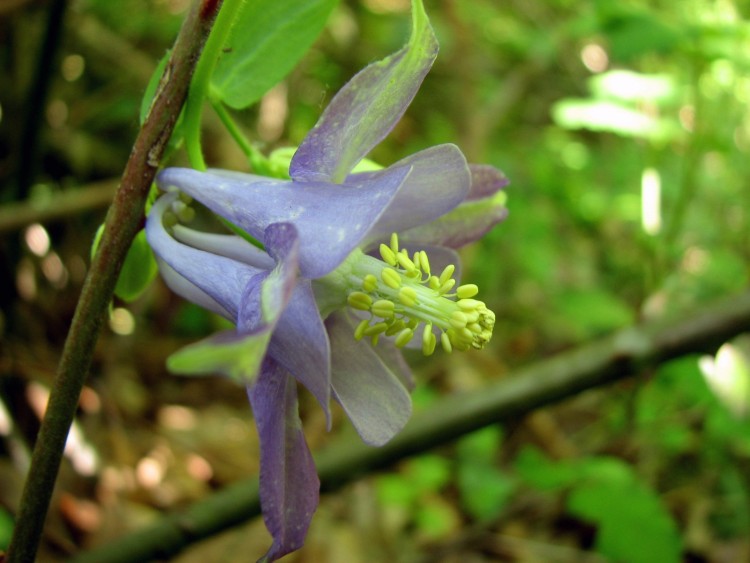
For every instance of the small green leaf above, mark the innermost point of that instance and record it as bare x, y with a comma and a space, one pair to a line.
6, 528
632, 524
268, 38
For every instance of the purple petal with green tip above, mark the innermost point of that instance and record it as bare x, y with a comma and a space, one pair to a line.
300, 345
222, 279
467, 223
331, 219
266, 295
289, 485
372, 396
365, 110
235, 355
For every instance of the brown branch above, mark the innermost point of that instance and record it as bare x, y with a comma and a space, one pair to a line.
123, 221
609, 359
15, 216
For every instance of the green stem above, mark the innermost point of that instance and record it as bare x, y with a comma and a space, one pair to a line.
623, 354
124, 218
200, 86
258, 161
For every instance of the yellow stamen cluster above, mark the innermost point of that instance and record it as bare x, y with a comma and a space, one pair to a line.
403, 294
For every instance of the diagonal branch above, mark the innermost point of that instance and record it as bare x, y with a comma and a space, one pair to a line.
591, 365
123, 221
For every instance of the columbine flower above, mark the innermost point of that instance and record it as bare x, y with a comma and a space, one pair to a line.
334, 294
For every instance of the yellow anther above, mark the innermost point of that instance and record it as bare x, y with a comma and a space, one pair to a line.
458, 319
377, 328
383, 308
476, 328
391, 278
445, 341
405, 262
359, 332
413, 323
394, 243
387, 255
447, 273
434, 282
467, 290
375, 338
469, 304
359, 300
395, 327
446, 286
404, 337
369, 283
408, 296
428, 340
424, 262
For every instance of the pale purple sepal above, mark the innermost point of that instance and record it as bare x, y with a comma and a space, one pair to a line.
394, 360
332, 220
438, 182
289, 484
365, 110
372, 396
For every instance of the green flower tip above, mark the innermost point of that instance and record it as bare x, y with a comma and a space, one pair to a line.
402, 294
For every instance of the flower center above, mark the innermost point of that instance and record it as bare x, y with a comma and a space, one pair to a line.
403, 296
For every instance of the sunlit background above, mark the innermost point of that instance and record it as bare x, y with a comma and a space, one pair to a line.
624, 128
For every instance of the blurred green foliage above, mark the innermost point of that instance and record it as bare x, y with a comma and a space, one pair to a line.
624, 128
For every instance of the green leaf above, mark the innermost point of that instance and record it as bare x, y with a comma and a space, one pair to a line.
6, 528
632, 524
485, 490
268, 38
138, 270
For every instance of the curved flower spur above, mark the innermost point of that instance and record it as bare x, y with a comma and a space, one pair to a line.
335, 293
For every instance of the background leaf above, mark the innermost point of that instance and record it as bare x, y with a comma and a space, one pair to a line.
266, 41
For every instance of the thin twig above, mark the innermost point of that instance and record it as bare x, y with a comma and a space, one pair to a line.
123, 221
609, 359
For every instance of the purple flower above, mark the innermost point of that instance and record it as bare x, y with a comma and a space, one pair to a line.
314, 306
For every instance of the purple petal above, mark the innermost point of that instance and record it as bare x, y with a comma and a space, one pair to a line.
486, 180
373, 398
438, 182
467, 223
366, 109
331, 219
289, 485
300, 345
222, 279
190, 291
